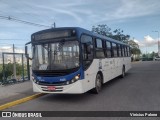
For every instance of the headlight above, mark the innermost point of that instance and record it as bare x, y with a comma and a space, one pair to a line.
34, 80
73, 80
77, 77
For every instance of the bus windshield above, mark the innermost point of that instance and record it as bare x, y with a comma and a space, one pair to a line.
60, 55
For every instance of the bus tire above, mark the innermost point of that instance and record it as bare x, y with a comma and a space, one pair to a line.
123, 72
98, 84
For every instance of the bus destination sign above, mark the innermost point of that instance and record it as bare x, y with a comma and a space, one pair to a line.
52, 35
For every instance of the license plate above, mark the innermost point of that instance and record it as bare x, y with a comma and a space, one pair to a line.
51, 88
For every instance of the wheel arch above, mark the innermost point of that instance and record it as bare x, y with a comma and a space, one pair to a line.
100, 72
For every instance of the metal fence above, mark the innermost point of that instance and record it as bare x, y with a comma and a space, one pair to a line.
14, 68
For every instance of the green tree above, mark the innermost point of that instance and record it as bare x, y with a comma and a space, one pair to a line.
102, 30
144, 55
106, 31
135, 51
1, 75
133, 44
118, 35
149, 56
9, 70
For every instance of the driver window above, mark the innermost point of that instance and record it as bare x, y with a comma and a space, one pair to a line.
87, 50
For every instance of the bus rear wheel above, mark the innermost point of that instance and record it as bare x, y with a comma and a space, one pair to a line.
98, 84
123, 72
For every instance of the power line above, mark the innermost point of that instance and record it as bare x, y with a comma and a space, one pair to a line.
22, 21
5, 44
23, 44
11, 39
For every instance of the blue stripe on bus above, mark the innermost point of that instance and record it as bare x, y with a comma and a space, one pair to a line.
62, 78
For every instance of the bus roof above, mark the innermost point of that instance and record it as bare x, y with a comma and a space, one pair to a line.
81, 31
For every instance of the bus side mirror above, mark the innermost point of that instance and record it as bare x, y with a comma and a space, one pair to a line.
26, 51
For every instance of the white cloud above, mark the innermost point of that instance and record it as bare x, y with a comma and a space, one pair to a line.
19, 50
70, 13
131, 9
139, 43
10, 49
147, 42
82, 11
6, 47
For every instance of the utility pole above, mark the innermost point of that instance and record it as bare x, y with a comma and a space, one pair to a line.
158, 44
54, 25
14, 63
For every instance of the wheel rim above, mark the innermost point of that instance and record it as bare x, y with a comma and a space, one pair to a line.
98, 83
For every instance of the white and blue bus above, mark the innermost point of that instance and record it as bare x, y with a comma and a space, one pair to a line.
74, 60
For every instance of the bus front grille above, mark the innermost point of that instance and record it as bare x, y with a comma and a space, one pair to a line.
57, 89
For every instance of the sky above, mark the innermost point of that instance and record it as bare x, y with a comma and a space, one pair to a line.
137, 18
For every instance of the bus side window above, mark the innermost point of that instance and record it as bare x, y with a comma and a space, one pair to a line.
87, 50
126, 51
129, 52
114, 48
123, 51
108, 49
119, 50
99, 49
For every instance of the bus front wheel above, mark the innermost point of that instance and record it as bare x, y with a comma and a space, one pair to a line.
98, 84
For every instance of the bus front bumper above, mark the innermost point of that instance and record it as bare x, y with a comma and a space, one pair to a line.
74, 88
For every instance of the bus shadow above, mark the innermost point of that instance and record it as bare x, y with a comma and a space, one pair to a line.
69, 98
114, 81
